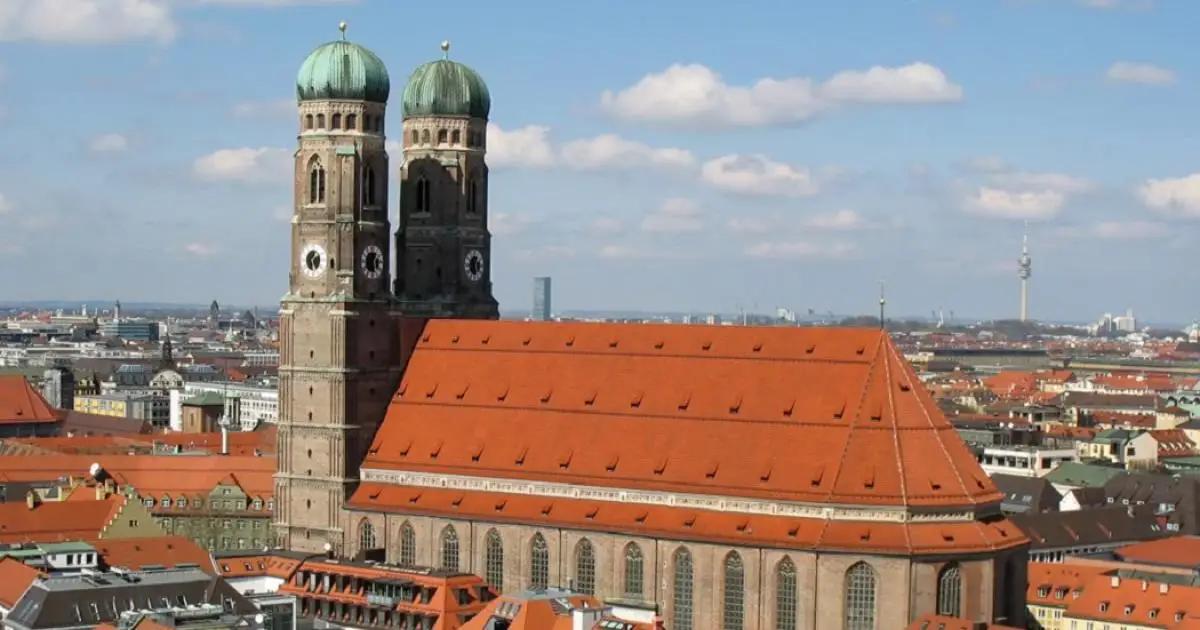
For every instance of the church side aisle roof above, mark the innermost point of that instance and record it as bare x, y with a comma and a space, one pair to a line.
817, 416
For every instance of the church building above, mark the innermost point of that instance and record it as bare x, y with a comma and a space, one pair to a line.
730, 477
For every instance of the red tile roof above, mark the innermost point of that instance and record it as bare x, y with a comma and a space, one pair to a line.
56, 521
257, 565
15, 579
1177, 551
893, 538
532, 613
1057, 584
20, 403
165, 551
1173, 443
644, 406
1128, 601
942, 622
151, 475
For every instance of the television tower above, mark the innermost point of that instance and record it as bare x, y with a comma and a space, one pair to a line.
1024, 268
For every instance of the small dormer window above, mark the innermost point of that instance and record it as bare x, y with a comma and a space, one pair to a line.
1103, 606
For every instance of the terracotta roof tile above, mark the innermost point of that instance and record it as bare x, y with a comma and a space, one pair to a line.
166, 551
544, 401
57, 521
1135, 602
20, 403
15, 579
1177, 551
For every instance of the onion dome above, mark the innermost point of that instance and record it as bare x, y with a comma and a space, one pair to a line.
446, 88
342, 70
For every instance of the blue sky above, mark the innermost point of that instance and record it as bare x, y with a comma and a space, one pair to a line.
659, 156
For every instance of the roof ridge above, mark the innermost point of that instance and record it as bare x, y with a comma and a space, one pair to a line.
882, 346
850, 428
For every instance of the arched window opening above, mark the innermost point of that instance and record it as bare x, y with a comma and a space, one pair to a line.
585, 567
785, 595
472, 197
949, 591
320, 121
408, 545
634, 571
425, 137
368, 186
416, 136
366, 535
860, 597
316, 182
449, 544
494, 572
735, 593
539, 563
336, 121
379, 124
422, 204
681, 591
441, 136
308, 121
351, 122
455, 137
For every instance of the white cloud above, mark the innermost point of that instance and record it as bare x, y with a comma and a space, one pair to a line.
5, 206
1056, 182
108, 143
273, 3
199, 250
693, 94
509, 224
839, 220
1143, 73
527, 146
1007, 204
245, 165
545, 252
1180, 196
1137, 5
609, 151
674, 216
280, 108
758, 175
86, 21
1129, 230
606, 226
794, 250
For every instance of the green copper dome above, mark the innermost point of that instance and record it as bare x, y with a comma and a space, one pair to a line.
342, 70
446, 88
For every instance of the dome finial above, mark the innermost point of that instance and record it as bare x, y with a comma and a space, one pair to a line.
342, 27
445, 49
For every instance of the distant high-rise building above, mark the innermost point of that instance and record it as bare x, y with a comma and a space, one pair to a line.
58, 388
541, 299
1024, 269
214, 315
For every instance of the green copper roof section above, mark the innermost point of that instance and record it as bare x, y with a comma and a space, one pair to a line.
343, 70
446, 88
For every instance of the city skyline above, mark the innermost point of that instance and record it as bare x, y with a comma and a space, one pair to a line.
630, 205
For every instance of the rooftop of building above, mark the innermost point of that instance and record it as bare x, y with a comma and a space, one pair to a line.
1134, 602
15, 578
20, 403
1176, 551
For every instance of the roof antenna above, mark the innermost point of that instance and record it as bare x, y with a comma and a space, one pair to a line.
882, 303
445, 49
342, 27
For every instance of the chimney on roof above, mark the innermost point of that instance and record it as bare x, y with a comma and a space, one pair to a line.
1116, 581
31, 499
1163, 587
585, 618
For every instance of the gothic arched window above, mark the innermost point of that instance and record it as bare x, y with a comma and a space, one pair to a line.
494, 571
320, 121
368, 186
308, 121
949, 591
681, 591
408, 545
455, 137
473, 196
423, 201
441, 136
585, 567
366, 535
634, 584
735, 592
352, 122
316, 181
539, 563
416, 136
449, 545
336, 121
785, 595
860, 597
425, 137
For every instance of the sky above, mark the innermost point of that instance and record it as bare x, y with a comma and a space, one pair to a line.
670, 155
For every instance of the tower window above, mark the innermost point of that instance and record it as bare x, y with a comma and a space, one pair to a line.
441, 136
455, 137
416, 136
369, 186
320, 121
425, 137
316, 182
473, 197
351, 122
336, 121
422, 195
308, 121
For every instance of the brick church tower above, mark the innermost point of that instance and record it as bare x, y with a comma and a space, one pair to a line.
339, 328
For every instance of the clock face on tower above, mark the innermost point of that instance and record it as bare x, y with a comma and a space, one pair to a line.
312, 260
372, 261
473, 264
